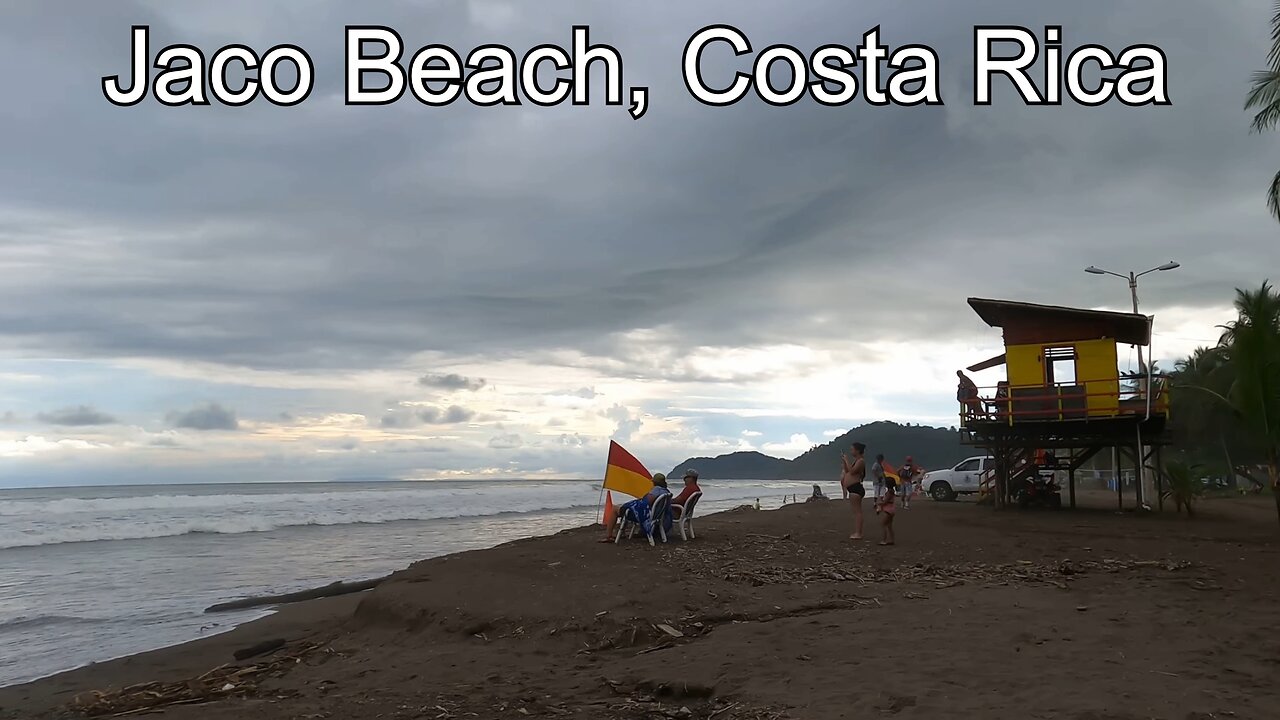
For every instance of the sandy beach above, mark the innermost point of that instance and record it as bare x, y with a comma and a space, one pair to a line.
770, 614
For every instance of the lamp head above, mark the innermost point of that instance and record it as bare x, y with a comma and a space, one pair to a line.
1095, 270
1169, 266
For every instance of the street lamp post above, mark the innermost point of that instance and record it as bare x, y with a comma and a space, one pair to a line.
1132, 279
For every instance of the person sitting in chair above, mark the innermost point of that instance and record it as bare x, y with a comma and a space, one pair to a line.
690, 487
639, 510
659, 489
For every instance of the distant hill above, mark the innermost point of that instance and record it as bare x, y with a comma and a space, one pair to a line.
931, 447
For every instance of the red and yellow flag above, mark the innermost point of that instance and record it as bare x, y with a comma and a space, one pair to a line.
626, 474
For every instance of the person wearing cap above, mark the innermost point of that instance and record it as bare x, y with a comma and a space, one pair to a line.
659, 489
640, 510
690, 487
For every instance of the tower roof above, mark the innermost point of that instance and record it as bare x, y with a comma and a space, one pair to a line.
1053, 323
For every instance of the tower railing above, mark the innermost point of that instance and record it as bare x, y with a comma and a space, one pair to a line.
1012, 404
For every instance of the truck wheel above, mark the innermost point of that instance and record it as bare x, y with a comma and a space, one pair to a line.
941, 491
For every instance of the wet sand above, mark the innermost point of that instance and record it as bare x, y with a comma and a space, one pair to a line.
1088, 615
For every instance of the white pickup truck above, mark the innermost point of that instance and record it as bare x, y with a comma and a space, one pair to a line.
963, 479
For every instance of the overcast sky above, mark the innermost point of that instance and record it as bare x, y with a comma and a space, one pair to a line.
322, 292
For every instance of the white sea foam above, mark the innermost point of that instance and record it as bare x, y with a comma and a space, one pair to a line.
63, 605
36, 522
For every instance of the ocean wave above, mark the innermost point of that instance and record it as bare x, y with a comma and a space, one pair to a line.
229, 500
38, 522
152, 529
27, 623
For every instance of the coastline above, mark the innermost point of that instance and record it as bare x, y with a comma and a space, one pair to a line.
770, 608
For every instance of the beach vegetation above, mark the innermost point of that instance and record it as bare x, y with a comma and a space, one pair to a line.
1229, 394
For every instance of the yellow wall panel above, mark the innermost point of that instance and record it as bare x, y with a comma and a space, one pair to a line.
1096, 369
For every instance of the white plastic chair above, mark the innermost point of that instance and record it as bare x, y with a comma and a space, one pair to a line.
628, 526
685, 521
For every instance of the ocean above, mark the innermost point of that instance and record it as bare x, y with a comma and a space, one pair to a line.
95, 573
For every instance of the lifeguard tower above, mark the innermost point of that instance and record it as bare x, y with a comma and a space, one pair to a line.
1064, 395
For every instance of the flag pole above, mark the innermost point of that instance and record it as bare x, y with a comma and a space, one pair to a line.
600, 498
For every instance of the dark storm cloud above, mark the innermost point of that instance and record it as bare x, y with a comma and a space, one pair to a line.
208, 417
79, 416
405, 416
331, 237
451, 381
450, 416
506, 441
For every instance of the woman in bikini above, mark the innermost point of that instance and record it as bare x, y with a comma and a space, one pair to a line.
853, 472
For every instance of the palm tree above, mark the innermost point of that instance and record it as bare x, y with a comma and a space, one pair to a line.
1251, 344
1184, 485
1205, 422
1264, 98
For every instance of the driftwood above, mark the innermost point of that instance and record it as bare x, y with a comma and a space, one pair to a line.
330, 590
224, 681
261, 648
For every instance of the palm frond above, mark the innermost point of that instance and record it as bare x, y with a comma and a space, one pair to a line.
1273, 57
1264, 95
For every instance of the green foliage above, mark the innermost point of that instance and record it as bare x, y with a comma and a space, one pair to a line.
1183, 485
1264, 99
1242, 378
932, 448
1251, 345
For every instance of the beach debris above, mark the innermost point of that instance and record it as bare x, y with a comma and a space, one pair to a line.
758, 564
330, 590
646, 706
225, 681
261, 648
669, 630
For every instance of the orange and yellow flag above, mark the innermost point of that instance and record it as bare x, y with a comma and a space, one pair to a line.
625, 473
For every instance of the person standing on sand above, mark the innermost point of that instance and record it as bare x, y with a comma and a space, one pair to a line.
886, 520
877, 481
908, 473
854, 472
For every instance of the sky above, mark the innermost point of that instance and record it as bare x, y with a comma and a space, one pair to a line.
322, 292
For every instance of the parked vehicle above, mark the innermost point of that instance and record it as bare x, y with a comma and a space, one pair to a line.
963, 479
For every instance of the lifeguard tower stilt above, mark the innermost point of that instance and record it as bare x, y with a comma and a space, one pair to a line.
1063, 401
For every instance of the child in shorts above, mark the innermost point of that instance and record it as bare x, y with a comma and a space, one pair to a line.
888, 510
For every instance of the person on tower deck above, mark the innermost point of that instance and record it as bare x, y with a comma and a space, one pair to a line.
967, 395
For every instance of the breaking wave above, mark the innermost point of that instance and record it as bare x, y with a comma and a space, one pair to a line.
28, 523
170, 511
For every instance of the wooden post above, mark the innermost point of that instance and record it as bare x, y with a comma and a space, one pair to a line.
1115, 473
1159, 478
1138, 464
997, 492
1071, 484
1139, 470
